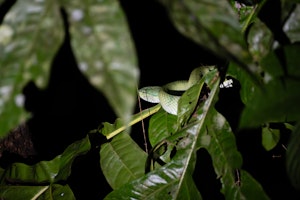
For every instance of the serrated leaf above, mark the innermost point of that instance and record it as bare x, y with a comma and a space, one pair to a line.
122, 160
30, 35
270, 138
106, 54
54, 191
51, 171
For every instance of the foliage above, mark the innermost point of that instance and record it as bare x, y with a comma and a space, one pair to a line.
266, 68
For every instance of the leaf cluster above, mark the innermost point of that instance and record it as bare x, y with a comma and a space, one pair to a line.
261, 57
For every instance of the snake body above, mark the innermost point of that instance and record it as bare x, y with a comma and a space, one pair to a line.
169, 94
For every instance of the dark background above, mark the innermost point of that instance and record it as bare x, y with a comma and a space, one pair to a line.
69, 107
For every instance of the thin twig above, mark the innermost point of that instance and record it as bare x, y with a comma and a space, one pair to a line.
143, 125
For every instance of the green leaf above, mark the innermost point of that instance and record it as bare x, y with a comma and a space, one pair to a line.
54, 191
30, 35
110, 130
277, 102
270, 138
122, 160
170, 180
217, 137
292, 157
213, 25
260, 40
106, 54
161, 125
167, 181
248, 87
292, 25
219, 141
250, 187
188, 102
282, 62
51, 171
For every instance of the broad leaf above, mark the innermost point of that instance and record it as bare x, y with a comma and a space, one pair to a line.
169, 181
250, 187
260, 40
50, 192
292, 25
292, 157
161, 126
277, 102
213, 25
248, 87
30, 35
104, 50
51, 171
122, 160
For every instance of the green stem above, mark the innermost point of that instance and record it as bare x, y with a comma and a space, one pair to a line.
142, 116
252, 15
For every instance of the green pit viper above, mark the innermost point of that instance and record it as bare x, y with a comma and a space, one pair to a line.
169, 94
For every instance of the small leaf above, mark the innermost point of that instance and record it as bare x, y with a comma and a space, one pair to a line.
122, 160
270, 138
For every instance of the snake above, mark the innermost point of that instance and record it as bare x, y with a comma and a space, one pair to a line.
169, 94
